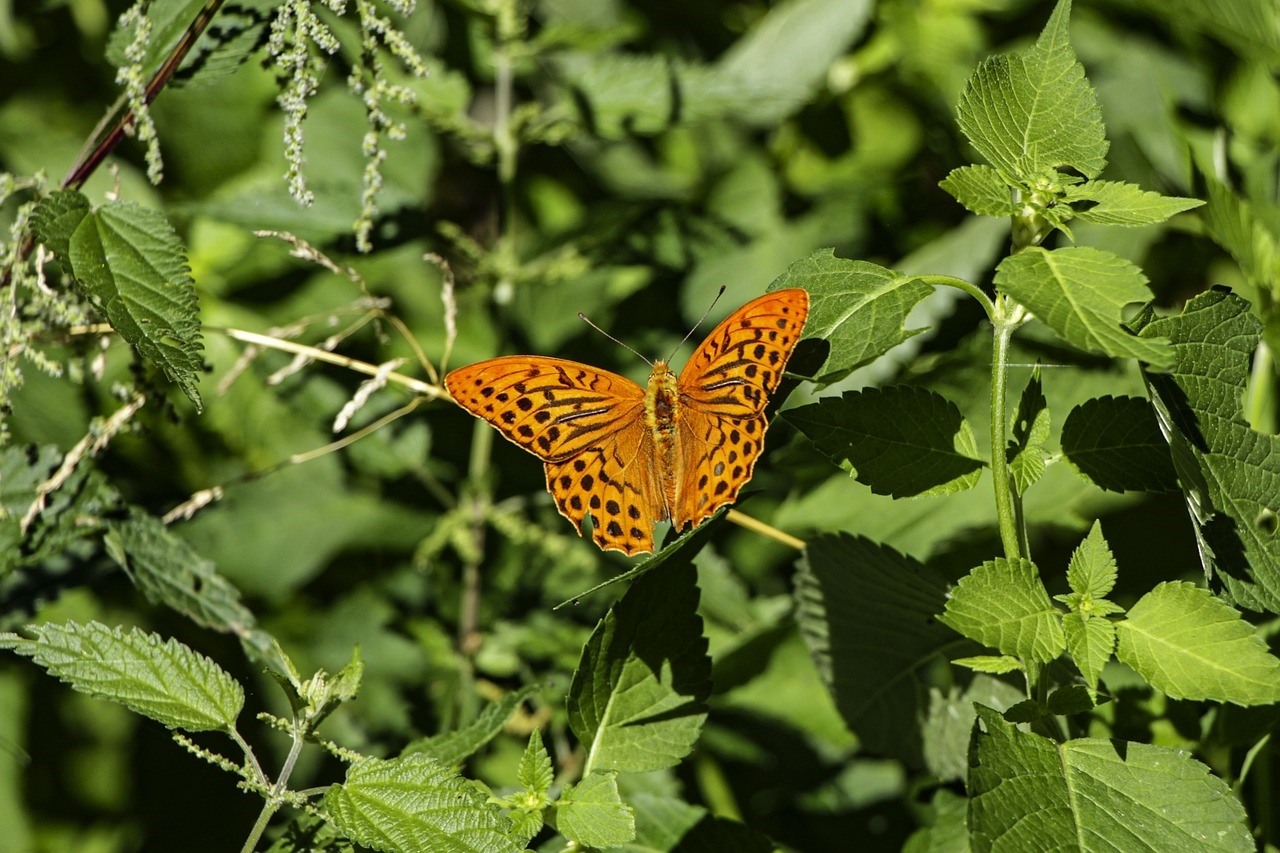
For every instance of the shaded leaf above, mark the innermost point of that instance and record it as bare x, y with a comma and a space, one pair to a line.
637, 700
901, 440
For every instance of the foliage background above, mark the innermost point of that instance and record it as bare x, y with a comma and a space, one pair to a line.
798, 125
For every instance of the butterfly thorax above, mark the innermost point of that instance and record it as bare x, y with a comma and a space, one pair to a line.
661, 409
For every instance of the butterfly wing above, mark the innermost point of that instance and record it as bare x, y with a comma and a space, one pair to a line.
588, 426
723, 392
617, 482
553, 408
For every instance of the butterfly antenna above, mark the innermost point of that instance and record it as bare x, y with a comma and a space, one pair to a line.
584, 318
697, 324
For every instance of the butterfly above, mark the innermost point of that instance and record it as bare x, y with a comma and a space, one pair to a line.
677, 450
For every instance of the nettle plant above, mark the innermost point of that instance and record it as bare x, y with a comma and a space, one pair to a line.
1007, 696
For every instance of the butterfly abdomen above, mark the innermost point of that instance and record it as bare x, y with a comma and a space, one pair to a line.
661, 416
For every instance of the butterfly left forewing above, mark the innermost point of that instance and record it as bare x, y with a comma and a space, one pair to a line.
552, 407
737, 367
723, 392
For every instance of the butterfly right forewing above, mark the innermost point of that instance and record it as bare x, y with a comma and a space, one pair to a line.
552, 407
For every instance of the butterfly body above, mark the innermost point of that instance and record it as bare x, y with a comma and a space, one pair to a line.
676, 450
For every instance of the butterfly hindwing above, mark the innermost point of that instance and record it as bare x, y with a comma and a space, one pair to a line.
551, 407
718, 455
616, 482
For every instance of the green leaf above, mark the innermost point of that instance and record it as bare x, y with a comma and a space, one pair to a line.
869, 617
901, 440
1029, 434
627, 93
993, 664
414, 803
453, 747
1091, 574
170, 572
163, 680
1190, 645
1246, 27
669, 824
220, 50
1080, 293
535, 775
1118, 203
1071, 699
637, 700
1116, 443
781, 61
592, 813
1032, 112
1026, 789
1090, 643
84, 495
1003, 604
858, 308
535, 772
57, 217
1229, 473
131, 263
981, 190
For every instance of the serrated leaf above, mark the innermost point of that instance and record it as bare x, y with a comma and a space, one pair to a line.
1116, 443
1229, 473
163, 680
170, 572
1190, 645
1090, 643
948, 728
1080, 293
57, 217
637, 700
1029, 433
131, 263
454, 747
901, 440
414, 803
592, 813
535, 773
869, 617
1071, 699
1118, 203
993, 664
1025, 789
1033, 112
1003, 604
1026, 711
856, 307
981, 190
1092, 570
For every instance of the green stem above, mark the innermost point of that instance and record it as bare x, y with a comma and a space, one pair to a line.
960, 284
1007, 517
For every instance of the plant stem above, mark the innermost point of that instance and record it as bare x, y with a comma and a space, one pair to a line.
1007, 517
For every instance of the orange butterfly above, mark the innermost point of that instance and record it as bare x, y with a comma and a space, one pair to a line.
677, 450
